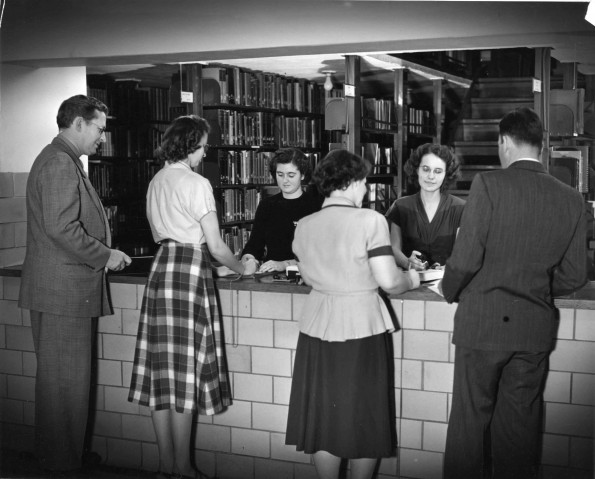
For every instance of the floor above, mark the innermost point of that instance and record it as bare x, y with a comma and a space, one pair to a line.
14, 464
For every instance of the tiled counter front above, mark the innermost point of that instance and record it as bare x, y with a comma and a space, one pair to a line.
247, 441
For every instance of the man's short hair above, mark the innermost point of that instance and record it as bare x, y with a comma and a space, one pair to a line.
523, 126
79, 105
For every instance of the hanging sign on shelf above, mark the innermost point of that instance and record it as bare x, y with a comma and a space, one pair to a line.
187, 97
349, 90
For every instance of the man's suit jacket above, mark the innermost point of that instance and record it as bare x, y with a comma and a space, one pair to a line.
67, 238
522, 241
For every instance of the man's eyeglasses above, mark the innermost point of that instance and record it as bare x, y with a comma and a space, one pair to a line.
99, 128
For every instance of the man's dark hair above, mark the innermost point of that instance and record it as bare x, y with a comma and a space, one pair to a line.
523, 126
338, 169
79, 105
182, 137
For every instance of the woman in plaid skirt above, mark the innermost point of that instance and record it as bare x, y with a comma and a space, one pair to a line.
179, 363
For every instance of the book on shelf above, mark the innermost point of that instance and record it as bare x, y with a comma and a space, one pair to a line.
243, 167
236, 237
381, 158
377, 114
238, 205
222, 84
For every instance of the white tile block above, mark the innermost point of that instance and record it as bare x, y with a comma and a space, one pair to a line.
569, 419
116, 400
29, 364
440, 315
239, 414
20, 387
118, 347
11, 362
124, 295
276, 362
270, 417
110, 324
421, 464
585, 325
108, 424
255, 332
411, 374
298, 301
573, 356
413, 314
286, 334
10, 313
581, 453
19, 338
124, 453
281, 390
253, 387
555, 450
247, 442
434, 436
583, 389
130, 319
138, 428
428, 406
566, 326
109, 372
271, 305
438, 376
557, 387
12, 288
239, 358
213, 437
409, 433
428, 345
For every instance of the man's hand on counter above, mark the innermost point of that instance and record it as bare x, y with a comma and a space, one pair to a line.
118, 260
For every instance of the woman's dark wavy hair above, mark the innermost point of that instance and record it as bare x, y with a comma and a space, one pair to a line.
443, 152
182, 137
79, 105
338, 169
290, 155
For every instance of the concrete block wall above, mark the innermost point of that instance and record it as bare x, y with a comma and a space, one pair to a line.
248, 439
13, 218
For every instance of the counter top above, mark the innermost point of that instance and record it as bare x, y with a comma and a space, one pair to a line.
584, 298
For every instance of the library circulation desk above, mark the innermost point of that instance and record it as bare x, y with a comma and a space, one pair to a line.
248, 439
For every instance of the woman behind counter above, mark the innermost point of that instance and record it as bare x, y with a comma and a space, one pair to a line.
342, 397
276, 216
424, 225
179, 368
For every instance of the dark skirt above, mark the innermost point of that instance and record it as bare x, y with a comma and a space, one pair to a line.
343, 398
179, 362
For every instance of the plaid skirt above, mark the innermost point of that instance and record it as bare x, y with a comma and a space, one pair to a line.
179, 361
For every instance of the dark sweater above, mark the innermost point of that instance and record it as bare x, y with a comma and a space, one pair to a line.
274, 225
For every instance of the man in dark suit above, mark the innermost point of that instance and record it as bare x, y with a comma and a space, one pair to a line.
522, 241
63, 280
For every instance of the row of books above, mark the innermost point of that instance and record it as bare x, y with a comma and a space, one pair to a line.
111, 212
229, 127
418, 121
380, 157
238, 86
244, 167
131, 142
379, 196
122, 179
238, 204
236, 238
299, 132
378, 114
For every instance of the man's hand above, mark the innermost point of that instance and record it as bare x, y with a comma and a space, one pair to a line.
117, 260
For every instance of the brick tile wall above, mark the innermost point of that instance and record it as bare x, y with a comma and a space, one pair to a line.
13, 218
248, 439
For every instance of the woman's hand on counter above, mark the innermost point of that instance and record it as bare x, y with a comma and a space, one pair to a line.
417, 261
271, 265
413, 276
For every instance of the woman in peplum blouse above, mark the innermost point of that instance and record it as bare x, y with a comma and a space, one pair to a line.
269, 245
424, 225
342, 393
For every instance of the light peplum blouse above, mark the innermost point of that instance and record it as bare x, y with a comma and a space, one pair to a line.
333, 248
